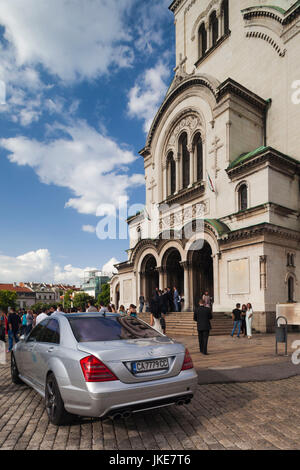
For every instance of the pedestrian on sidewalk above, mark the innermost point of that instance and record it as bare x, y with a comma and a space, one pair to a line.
142, 303
202, 316
29, 322
122, 310
24, 323
249, 319
243, 317
155, 308
2, 326
132, 311
13, 322
236, 316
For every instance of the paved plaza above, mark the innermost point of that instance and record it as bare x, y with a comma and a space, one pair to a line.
232, 416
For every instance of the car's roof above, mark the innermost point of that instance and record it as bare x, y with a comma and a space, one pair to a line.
89, 315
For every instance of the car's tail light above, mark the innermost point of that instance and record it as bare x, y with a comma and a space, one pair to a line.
95, 371
187, 363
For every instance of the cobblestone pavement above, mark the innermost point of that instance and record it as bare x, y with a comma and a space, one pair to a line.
233, 416
225, 351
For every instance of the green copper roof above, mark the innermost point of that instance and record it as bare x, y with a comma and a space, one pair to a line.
219, 226
246, 156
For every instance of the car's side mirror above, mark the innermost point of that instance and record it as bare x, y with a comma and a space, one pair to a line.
22, 338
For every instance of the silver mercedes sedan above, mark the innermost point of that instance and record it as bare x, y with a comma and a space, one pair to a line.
89, 364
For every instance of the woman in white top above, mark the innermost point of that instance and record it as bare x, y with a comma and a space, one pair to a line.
249, 318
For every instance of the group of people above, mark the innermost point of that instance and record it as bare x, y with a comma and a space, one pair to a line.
242, 318
14, 324
242, 321
170, 300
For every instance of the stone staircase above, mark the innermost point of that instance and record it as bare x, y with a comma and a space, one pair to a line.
182, 324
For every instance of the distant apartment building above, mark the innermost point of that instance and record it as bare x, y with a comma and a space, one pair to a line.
93, 282
26, 297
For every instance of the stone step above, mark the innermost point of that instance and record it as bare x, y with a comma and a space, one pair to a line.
182, 324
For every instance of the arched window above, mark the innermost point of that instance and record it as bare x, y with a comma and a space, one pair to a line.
243, 197
185, 160
202, 39
214, 28
291, 289
171, 169
225, 16
198, 155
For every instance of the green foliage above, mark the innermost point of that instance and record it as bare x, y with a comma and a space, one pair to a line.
104, 295
8, 299
81, 299
67, 299
42, 307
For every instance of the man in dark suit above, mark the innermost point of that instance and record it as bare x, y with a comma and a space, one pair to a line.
202, 316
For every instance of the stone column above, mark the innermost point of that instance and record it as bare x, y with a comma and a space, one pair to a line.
178, 173
192, 158
161, 273
165, 184
187, 290
208, 35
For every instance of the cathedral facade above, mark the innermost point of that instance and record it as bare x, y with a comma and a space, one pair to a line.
222, 164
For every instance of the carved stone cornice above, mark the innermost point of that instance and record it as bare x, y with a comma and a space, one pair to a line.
260, 230
186, 195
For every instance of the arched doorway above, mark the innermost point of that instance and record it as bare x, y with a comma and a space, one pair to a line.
202, 272
150, 277
174, 270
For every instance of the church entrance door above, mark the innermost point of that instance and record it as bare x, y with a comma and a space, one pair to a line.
202, 272
151, 277
174, 270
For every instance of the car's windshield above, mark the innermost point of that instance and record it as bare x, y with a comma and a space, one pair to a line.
89, 329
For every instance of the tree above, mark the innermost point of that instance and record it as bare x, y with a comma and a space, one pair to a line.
81, 299
42, 307
104, 296
8, 299
67, 299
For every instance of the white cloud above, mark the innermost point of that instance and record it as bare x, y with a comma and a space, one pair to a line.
38, 266
148, 93
72, 39
109, 267
89, 228
91, 165
148, 28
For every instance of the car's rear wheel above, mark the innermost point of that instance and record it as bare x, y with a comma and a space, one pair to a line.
14, 371
54, 403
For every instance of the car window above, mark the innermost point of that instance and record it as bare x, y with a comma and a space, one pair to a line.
37, 333
89, 329
51, 333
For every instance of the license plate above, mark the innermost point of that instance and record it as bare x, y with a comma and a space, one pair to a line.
149, 366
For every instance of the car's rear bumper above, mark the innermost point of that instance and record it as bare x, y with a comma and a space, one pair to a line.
106, 399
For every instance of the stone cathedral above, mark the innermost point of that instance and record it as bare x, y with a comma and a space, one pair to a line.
222, 164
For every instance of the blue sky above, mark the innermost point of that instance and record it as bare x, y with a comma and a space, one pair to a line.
83, 80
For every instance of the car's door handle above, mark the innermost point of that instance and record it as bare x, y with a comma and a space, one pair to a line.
50, 350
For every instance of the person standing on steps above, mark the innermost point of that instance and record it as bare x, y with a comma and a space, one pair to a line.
202, 316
